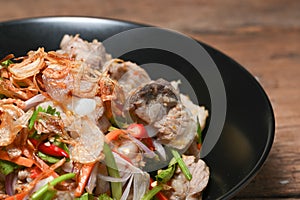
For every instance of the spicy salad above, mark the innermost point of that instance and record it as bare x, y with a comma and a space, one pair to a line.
76, 123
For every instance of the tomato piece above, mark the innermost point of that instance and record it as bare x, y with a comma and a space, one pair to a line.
137, 130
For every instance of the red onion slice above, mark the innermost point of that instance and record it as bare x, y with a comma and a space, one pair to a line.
10, 183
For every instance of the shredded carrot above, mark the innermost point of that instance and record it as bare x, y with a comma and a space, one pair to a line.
9, 56
19, 196
43, 174
113, 135
83, 178
18, 160
23, 161
43, 166
37, 161
199, 145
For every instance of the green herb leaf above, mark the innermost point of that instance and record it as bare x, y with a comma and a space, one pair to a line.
6, 63
34, 117
85, 196
104, 197
7, 167
118, 122
165, 175
49, 110
52, 111
61, 145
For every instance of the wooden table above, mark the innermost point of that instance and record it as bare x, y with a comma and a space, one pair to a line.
263, 36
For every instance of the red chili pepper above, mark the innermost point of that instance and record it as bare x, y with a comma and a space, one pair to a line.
34, 172
149, 143
49, 149
139, 131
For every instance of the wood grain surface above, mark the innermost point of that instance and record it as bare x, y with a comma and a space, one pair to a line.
263, 36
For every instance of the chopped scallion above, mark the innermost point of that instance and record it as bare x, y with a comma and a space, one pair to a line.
42, 191
199, 133
182, 165
116, 187
151, 193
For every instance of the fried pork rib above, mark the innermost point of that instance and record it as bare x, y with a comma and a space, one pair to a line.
157, 104
92, 53
152, 101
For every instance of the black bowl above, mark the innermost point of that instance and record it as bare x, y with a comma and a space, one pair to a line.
248, 133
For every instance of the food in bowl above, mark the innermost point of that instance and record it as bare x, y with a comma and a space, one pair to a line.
77, 123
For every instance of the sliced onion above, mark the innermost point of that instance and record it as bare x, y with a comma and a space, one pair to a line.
10, 183
160, 150
29, 66
140, 185
124, 165
68, 167
141, 179
41, 183
148, 152
151, 130
33, 101
113, 179
91, 184
127, 189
